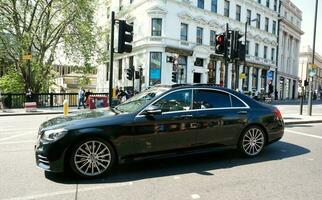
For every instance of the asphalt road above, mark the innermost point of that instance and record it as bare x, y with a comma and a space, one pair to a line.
288, 169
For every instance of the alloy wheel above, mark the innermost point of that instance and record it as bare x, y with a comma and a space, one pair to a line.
92, 158
253, 141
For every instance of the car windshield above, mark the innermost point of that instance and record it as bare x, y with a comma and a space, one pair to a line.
136, 102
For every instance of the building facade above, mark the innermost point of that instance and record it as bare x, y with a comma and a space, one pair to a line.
289, 47
187, 29
305, 61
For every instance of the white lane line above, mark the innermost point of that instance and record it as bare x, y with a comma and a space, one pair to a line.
19, 142
3, 131
195, 196
13, 136
305, 134
44, 195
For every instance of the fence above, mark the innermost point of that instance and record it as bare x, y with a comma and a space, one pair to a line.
44, 100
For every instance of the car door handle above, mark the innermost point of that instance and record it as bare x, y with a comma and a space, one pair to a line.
243, 112
184, 117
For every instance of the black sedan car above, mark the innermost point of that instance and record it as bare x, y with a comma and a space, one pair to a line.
159, 122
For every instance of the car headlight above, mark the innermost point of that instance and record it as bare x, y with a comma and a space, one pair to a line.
53, 135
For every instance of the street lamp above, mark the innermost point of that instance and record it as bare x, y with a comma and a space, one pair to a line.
246, 24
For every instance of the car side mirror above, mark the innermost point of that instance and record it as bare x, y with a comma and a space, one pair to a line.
152, 110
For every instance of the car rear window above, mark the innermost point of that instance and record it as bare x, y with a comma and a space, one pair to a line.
236, 102
203, 99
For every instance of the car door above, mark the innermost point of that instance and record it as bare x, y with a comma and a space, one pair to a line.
219, 122
170, 129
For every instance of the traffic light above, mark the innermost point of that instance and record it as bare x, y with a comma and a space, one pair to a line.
241, 51
220, 44
230, 44
130, 73
137, 74
174, 77
125, 37
306, 82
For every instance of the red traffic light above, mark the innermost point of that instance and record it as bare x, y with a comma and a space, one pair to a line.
220, 38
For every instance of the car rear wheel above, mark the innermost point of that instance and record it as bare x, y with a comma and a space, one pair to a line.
92, 158
252, 141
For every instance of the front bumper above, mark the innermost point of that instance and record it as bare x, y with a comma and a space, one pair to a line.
49, 156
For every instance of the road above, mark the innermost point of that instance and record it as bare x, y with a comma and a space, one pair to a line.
288, 169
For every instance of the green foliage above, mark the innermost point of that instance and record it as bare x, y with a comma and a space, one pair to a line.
11, 83
40, 28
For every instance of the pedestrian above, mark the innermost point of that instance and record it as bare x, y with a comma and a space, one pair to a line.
87, 94
1, 102
81, 96
29, 95
276, 94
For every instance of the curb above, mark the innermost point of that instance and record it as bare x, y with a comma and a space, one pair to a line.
303, 122
33, 113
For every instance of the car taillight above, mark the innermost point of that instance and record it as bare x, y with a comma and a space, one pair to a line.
277, 113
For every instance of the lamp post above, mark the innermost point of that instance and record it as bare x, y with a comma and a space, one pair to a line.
309, 111
246, 24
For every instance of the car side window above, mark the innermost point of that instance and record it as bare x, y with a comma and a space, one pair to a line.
236, 102
203, 99
176, 101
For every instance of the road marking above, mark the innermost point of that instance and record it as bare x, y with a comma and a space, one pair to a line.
310, 159
4, 131
19, 142
176, 177
195, 196
44, 195
305, 134
13, 136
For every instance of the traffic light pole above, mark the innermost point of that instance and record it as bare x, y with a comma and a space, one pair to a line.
133, 78
311, 78
226, 56
110, 89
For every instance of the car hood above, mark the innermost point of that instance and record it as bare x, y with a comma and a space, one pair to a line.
78, 118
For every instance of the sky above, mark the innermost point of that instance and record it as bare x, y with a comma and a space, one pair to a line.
308, 9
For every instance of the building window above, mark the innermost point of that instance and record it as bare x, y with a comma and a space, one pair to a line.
249, 16
183, 63
265, 52
214, 6
226, 9
258, 21
212, 38
267, 3
274, 28
199, 35
201, 4
275, 5
266, 24
238, 10
256, 49
156, 26
184, 32
247, 47
259, 1
255, 78
155, 68
273, 54
120, 70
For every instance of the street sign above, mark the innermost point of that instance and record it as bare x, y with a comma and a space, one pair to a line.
270, 74
242, 76
27, 57
313, 66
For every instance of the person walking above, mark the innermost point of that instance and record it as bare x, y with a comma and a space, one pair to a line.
81, 96
1, 102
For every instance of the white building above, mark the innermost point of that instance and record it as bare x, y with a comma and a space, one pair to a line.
188, 27
304, 68
289, 40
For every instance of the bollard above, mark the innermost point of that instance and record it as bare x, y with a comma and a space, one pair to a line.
65, 107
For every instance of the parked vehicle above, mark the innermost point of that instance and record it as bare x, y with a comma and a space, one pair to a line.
161, 121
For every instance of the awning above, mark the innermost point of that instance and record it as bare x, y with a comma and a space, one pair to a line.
181, 52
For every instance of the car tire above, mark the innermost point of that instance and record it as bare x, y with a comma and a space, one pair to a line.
92, 158
252, 141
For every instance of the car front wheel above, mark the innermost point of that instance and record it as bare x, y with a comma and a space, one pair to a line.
92, 158
252, 141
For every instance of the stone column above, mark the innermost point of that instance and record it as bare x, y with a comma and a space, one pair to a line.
259, 80
218, 65
240, 84
250, 83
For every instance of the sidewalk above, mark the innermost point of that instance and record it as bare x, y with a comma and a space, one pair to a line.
40, 111
290, 113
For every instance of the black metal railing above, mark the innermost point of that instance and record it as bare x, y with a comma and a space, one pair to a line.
43, 100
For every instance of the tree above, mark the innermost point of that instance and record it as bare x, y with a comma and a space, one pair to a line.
42, 28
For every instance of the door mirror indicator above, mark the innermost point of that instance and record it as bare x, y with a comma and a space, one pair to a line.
152, 110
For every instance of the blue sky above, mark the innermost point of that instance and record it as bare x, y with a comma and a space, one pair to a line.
308, 9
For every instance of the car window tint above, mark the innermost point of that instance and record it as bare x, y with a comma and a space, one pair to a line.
176, 101
236, 102
203, 99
